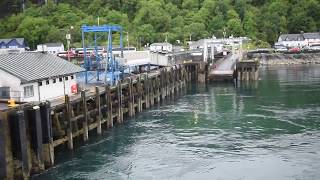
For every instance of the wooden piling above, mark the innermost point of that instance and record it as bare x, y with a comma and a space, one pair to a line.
20, 144
85, 116
69, 123
6, 159
98, 107
109, 107
120, 111
35, 130
47, 139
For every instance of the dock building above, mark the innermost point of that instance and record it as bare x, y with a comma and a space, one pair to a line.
33, 76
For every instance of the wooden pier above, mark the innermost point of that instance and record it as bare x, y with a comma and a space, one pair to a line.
30, 133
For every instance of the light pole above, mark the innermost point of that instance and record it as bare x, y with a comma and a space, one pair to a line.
128, 39
68, 37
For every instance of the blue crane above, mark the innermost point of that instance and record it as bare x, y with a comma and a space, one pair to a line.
94, 63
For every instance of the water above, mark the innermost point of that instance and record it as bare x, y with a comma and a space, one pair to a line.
268, 130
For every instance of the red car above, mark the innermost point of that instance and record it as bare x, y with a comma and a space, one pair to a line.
295, 50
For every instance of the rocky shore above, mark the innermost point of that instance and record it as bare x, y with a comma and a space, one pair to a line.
285, 59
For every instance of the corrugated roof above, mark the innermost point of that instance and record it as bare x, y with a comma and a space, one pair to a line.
32, 66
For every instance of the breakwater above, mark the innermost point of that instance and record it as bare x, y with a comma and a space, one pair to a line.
30, 133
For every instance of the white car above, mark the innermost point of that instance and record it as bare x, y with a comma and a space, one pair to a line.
278, 48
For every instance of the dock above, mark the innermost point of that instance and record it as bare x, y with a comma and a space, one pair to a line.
31, 132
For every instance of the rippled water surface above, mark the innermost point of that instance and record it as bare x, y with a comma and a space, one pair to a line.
263, 131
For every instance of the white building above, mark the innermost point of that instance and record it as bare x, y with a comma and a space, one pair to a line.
291, 40
36, 76
161, 47
52, 48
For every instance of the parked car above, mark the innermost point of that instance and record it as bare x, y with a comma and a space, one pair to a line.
295, 50
314, 47
280, 48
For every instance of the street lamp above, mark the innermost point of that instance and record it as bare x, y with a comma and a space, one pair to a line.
68, 37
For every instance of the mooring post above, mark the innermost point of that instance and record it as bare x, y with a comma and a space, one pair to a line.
35, 131
47, 138
6, 159
69, 123
85, 116
98, 110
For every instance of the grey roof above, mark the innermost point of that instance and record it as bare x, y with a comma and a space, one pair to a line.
311, 35
53, 44
33, 66
19, 40
291, 37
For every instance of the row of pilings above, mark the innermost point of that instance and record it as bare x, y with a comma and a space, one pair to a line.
30, 133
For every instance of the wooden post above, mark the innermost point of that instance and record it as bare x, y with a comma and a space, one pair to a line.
85, 116
151, 91
109, 106
69, 123
35, 130
119, 119
147, 91
47, 139
98, 108
6, 160
139, 89
131, 99
20, 144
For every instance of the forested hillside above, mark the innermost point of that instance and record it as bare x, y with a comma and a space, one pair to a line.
154, 20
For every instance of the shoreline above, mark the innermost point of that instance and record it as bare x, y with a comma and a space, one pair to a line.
275, 59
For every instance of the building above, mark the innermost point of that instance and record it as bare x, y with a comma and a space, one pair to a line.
291, 40
299, 40
13, 45
34, 76
161, 47
52, 48
312, 38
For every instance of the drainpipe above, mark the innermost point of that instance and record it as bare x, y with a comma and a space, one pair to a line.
39, 92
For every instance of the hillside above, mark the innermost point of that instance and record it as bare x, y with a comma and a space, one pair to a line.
154, 20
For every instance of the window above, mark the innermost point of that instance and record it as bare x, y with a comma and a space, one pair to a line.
40, 83
47, 82
54, 81
4, 92
66, 78
72, 77
28, 91
60, 79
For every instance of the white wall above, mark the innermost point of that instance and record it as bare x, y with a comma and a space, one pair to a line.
54, 90
8, 80
55, 50
51, 50
47, 92
160, 48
